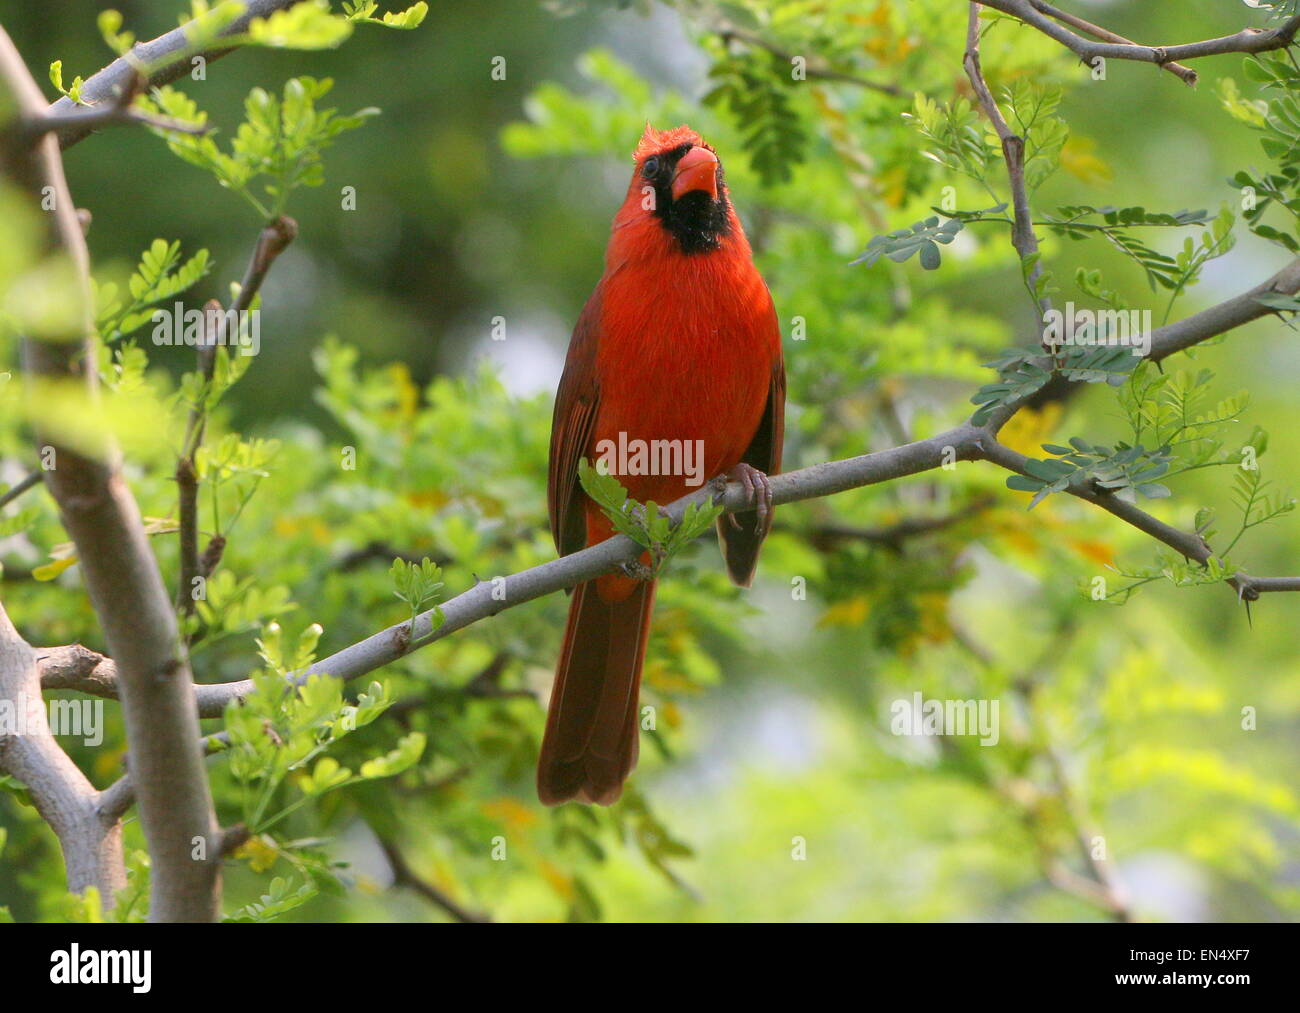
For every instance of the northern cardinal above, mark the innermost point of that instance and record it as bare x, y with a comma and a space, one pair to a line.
679, 342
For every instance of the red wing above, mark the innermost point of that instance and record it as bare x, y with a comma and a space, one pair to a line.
765, 448
740, 545
764, 451
576, 404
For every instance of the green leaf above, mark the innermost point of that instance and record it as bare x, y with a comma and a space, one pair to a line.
409, 750
1098, 363
109, 22
279, 145
1279, 301
757, 88
1021, 377
417, 584
281, 899
1024, 483
646, 524
326, 776
159, 278
307, 25
921, 237
362, 11
56, 79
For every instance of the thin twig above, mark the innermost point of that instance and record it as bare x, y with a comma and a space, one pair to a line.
1186, 74
30, 482
115, 111
404, 875
893, 536
1013, 152
273, 240
1099, 886
813, 70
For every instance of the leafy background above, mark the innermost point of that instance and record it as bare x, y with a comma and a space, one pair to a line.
481, 198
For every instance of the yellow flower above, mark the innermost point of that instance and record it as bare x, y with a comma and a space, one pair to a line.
1030, 428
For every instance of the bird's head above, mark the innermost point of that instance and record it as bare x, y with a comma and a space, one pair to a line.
678, 182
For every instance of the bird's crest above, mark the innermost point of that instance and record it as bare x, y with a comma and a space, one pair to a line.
655, 141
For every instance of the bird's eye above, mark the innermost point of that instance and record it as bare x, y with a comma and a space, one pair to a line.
651, 167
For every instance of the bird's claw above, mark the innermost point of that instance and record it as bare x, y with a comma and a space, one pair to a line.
637, 570
758, 491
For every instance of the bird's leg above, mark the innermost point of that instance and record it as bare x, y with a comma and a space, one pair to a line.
758, 492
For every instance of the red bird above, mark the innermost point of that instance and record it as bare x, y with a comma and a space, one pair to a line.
679, 342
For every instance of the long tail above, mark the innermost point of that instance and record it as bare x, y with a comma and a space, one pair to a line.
592, 733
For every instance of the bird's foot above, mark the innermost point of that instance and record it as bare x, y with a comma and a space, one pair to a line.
637, 570
758, 492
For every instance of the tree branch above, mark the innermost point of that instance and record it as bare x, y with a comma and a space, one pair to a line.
965, 442
1176, 337
1186, 543
1186, 74
120, 572
85, 670
1113, 896
92, 847
1224, 317
160, 61
78, 668
114, 111
480, 601
1039, 15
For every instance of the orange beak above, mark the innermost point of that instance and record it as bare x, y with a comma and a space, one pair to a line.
697, 170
